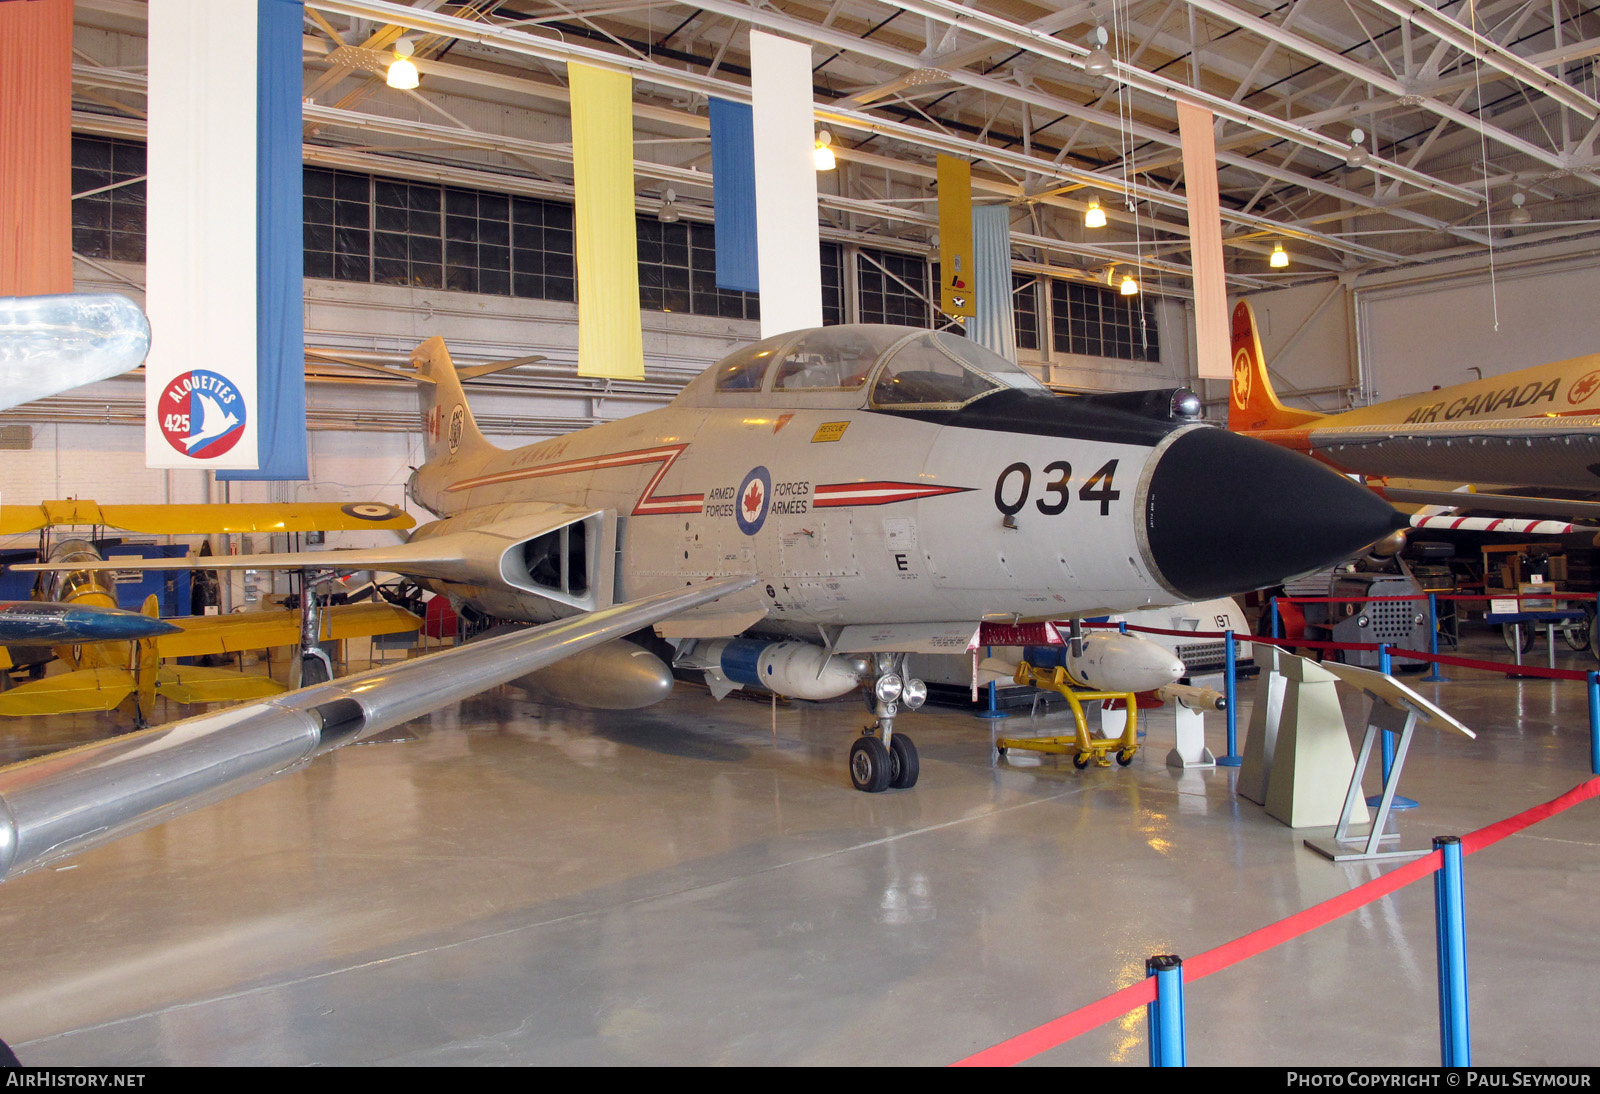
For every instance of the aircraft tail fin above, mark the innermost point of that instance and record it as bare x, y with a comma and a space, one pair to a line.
1252, 403
448, 429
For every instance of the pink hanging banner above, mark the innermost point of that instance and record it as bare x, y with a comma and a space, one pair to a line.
36, 148
1195, 130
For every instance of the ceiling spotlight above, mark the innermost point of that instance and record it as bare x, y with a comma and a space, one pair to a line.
1358, 152
1130, 287
1098, 61
821, 154
1094, 216
1519, 215
668, 213
1280, 257
402, 72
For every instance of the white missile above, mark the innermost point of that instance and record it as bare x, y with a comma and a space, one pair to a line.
1110, 661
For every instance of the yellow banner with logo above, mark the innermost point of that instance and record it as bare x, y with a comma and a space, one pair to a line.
956, 283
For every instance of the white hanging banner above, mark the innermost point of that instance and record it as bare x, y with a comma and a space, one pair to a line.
200, 233
788, 243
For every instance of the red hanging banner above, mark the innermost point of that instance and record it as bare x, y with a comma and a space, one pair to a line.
36, 148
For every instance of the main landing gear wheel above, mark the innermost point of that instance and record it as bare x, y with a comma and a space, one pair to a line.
869, 765
903, 763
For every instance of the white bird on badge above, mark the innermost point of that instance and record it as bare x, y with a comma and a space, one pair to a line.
214, 421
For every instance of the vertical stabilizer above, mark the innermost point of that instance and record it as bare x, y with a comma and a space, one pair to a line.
448, 431
1252, 404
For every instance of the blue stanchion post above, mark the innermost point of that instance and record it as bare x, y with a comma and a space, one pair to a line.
1594, 722
1386, 666
1434, 676
1231, 687
1455, 1021
993, 710
1272, 615
1122, 626
1164, 1017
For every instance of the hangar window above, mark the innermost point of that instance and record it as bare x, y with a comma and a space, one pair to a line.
1025, 309
394, 232
110, 222
832, 284
893, 288
678, 272
1101, 322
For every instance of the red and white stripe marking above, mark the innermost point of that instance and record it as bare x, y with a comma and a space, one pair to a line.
648, 502
876, 493
1517, 526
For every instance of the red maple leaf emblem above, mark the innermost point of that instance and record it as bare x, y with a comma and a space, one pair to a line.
752, 498
1583, 387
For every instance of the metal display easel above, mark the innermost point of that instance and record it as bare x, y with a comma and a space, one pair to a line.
1395, 709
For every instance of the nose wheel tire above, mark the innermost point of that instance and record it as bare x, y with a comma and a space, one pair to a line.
869, 765
904, 767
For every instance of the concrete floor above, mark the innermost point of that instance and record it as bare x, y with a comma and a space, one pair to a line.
514, 883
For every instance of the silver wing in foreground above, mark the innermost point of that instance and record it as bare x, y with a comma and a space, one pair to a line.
60, 805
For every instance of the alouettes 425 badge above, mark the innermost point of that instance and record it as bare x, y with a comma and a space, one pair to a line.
202, 414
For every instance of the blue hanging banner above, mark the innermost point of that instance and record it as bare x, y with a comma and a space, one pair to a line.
280, 252
733, 194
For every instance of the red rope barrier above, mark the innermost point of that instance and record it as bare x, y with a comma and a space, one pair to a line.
1025, 1046
1506, 667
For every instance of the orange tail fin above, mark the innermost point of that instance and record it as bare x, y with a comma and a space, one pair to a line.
1252, 404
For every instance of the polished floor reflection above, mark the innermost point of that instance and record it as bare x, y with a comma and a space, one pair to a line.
514, 883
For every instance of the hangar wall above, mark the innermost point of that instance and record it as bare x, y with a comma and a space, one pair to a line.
1332, 345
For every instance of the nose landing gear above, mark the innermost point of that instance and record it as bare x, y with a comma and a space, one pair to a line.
888, 759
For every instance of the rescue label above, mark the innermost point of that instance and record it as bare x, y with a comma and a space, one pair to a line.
829, 431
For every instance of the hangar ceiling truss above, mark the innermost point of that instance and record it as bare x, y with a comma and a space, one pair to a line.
1360, 134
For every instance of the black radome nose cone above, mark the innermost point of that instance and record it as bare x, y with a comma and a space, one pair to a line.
1227, 514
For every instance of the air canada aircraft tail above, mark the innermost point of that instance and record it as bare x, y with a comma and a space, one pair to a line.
448, 430
1252, 404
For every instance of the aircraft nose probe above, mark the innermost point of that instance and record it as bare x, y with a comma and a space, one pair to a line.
1226, 513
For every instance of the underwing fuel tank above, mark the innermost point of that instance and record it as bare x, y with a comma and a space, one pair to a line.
796, 669
615, 676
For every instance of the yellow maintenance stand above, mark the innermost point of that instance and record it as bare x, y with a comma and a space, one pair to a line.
1081, 747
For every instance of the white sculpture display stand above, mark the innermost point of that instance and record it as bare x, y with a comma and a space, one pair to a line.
1261, 737
1191, 751
1312, 761
1395, 709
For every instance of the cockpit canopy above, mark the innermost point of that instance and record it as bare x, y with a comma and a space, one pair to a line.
897, 368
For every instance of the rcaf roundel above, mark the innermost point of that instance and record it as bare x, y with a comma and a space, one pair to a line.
202, 414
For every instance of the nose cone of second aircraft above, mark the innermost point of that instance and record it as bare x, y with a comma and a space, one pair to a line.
1227, 513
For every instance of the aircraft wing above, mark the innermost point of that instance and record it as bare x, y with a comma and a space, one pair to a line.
64, 803
178, 520
1556, 452
1492, 502
80, 692
203, 634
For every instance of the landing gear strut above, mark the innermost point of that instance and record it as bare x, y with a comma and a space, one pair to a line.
888, 759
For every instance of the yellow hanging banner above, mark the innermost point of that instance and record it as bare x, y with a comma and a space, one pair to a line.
610, 340
956, 283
